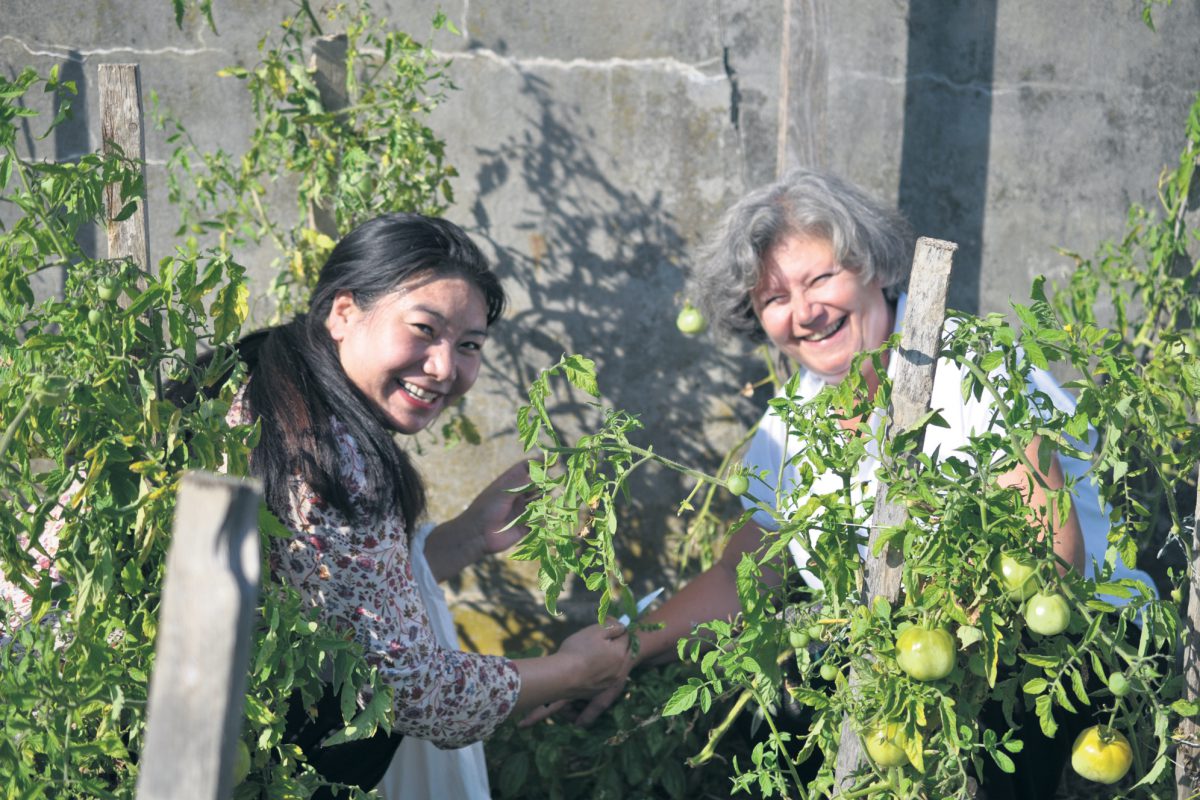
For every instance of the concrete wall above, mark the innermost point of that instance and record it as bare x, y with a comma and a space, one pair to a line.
597, 142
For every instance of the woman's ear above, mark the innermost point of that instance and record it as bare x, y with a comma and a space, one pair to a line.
343, 314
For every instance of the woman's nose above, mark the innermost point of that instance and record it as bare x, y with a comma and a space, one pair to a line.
439, 362
803, 311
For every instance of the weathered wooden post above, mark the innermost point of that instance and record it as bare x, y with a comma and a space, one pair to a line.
1187, 753
121, 126
204, 637
328, 62
912, 386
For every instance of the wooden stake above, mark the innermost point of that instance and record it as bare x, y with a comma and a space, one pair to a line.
912, 386
204, 636
1187, 755
328, 61
121, 130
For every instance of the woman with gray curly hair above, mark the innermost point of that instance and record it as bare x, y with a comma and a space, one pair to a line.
815, 266
865, 238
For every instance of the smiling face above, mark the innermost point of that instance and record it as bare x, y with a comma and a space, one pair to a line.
415, 350
817, 312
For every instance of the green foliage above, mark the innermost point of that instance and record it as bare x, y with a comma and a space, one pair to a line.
346, 153
92, 446
92, 452
1145, 289
203, 7
1135, 383
631, 753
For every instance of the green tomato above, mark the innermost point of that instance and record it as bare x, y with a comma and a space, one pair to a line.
690, 320
1047, 613
925, 654
737, 483
885, 745
816, 631
1016, 574
109, 288
829, 672
241, 763
1118, 684
1101, 754
95, 317
798, 640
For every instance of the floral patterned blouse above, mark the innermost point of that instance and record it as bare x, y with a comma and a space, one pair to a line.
362, 580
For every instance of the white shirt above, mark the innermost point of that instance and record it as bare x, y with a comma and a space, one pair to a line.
773, 447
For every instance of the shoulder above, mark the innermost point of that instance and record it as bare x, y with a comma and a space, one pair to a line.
239, 408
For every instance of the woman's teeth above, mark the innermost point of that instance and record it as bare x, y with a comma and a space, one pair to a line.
826, 333
419, 393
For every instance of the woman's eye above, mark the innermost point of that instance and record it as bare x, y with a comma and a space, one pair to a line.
473, 347
422, 328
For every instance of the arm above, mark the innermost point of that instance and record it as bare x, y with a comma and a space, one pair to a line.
711, 595
1068, 538
361, 582
480, 530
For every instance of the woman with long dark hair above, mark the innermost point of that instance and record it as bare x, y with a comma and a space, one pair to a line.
394, 334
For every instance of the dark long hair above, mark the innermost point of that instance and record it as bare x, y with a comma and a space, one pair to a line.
297, 383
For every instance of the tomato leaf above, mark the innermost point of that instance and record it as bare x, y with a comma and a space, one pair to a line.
683, 698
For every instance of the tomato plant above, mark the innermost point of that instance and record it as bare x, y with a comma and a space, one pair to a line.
972, 566
375, 156
1101, 754
1122, 330
93, 441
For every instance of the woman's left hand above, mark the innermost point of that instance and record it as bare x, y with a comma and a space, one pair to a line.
484, 528
498, 505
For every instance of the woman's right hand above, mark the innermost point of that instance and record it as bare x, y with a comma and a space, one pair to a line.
600, 652
589, 661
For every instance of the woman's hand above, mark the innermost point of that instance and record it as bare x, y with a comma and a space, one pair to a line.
601, 656
1068, 537
590, 661
498, 505
483, 529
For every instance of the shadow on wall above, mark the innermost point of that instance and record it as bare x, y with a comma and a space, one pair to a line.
947, 128
603, 269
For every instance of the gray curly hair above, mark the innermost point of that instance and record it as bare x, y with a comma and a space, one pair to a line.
867, 238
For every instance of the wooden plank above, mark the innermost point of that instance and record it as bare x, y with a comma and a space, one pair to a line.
912, 386
1187, 756
198, 687
328, 62
121, 128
